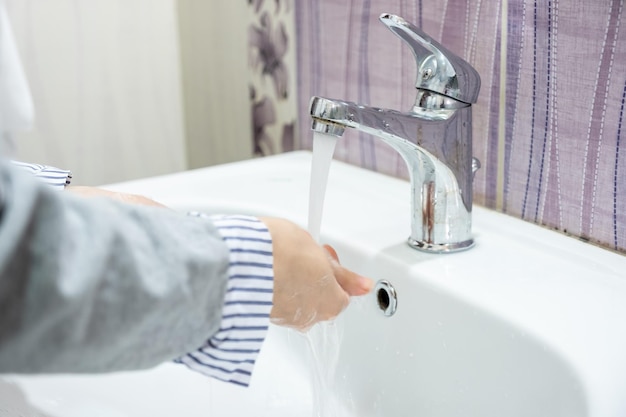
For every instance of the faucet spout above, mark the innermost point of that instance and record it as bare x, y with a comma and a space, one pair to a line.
436, 146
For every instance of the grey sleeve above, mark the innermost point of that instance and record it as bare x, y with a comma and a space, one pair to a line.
93, 285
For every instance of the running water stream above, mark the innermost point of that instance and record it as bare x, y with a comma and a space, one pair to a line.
323, 339
323, 149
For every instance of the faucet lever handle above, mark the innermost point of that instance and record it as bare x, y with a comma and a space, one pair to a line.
438, 69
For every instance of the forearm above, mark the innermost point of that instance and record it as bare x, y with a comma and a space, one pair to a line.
69, 266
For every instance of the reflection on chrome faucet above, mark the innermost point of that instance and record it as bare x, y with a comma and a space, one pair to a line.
434, 138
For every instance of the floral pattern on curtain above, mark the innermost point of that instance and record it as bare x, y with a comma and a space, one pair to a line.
271, 40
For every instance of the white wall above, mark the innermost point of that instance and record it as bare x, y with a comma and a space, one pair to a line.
214, 51
105, 76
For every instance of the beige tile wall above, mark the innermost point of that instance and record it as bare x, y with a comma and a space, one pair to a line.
213, 39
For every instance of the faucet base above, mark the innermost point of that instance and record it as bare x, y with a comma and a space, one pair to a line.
440, 247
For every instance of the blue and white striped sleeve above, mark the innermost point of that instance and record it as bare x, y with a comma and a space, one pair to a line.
54, 177
230, 354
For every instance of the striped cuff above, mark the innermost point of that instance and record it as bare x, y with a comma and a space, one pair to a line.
230, 354
54, 177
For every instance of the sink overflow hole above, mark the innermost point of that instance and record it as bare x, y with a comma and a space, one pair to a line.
386, 297
383, 299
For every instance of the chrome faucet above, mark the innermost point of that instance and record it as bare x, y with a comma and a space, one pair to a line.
434, 138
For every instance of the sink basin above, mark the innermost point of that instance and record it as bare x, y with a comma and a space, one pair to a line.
527, 323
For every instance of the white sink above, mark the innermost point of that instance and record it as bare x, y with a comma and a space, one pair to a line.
528, 323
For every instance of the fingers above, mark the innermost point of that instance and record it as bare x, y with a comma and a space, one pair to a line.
332, 252
352, 283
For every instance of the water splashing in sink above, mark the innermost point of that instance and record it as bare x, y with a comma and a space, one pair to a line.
324, 343
324, 340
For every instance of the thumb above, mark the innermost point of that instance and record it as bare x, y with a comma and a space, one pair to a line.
351, 282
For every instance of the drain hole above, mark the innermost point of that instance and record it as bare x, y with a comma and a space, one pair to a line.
386, 297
